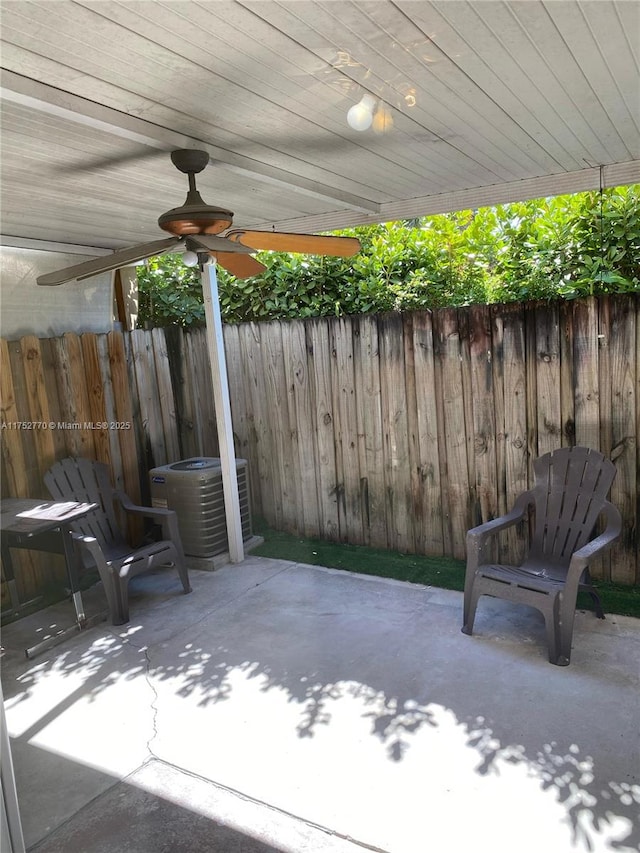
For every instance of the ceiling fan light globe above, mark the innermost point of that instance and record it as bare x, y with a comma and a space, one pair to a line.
360, 116
190, 259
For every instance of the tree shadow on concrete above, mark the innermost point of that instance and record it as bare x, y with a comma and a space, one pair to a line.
398, 656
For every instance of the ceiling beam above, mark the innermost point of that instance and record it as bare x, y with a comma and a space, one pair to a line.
583, 180
544, 186
56, 102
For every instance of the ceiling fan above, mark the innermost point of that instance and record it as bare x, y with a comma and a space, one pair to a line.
201, 228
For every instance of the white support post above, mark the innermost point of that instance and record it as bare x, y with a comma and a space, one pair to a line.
215, 344
11, 836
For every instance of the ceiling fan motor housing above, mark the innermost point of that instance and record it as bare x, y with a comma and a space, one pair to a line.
195, 218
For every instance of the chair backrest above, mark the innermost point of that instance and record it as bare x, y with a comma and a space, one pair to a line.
87, 480
571, 487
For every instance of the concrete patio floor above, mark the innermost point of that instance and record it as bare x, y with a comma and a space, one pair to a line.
284, 707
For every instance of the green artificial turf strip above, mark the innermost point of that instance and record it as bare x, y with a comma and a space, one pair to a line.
443, 572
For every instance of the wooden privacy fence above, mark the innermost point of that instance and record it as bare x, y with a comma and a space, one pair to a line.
129, 400
397, 431
403, 431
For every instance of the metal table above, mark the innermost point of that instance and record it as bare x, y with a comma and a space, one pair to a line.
43, 526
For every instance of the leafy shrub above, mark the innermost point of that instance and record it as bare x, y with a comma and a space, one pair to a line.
566, 247
169, 293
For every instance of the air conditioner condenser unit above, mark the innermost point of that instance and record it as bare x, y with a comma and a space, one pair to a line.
193, 489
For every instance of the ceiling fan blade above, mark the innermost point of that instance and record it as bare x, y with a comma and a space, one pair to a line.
242, 266
99, 163
311, 244
109, 262
211, 243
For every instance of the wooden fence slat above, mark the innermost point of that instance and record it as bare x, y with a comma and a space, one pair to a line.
623, 432
242, 413
124, 415
206, 401
604, 381
395, 434
112, 435
176, 341
260, 483
144, 370
516, 459
567, 390
346, 430
547, 369
366, 358
192, 343
12, 452
464, 336
285, 443
93, 358
38, 403
483, 413
42, 409
258, 413
26, 564
202, 390
282, 441
57, 428
326, 470
456, 487
32, 473
284, 364
430, 539
75, 410
144, 453
499, 410
236, 389
413, 482
301, 420
531, 393
166, 397
585, 372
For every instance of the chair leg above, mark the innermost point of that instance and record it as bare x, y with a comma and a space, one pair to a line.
567, 612
587, 586
122, 586
552, 638
184, 575
112, 592
559, 632
596, 603
471, 597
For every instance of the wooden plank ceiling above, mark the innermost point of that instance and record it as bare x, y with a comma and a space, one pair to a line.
479, 102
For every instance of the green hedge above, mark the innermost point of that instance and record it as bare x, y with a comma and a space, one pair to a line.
563, 247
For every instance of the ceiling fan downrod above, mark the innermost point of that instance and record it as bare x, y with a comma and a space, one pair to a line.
195, 216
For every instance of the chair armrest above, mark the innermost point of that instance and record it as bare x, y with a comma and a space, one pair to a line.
477, 535
166, 517
148, 511
582, 557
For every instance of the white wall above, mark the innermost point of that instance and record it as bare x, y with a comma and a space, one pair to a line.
27, 309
